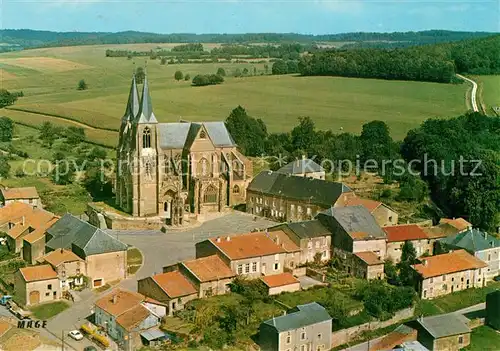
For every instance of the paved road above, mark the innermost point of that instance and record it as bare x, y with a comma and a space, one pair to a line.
158, 249
473, 93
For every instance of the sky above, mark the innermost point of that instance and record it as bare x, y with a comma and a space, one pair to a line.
247, 16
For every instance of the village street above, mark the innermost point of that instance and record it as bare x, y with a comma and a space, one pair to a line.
158, 249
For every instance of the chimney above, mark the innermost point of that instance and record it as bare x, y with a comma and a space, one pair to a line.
277, 240
115, 298
62, 250
23, 221
218, 239
228, 238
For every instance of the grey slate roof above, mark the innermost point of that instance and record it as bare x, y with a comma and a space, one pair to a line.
301, 166
472, 240
146, 114
444, 325
353, 219
304, 229
132, 103
300, 316
81, 237
182, 135
320, 192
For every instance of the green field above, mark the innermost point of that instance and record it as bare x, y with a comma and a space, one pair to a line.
489, 92
484, 338
48, 77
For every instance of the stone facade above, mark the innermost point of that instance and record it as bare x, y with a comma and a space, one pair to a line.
33, 293
173, 170
446, 284
421, 246
280, 209
385, 216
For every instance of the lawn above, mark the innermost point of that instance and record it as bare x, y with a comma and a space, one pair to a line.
134, 260
489, 92
464, 298
48, 310
484, 338
332, 102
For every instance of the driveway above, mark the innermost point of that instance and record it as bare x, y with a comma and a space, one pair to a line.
158, 249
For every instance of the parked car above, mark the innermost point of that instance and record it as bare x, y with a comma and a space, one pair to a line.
18, 311
4, 299
75, 334
497, 278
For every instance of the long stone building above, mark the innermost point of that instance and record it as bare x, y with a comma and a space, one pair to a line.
172, 170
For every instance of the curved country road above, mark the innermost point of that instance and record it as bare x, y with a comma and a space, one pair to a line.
473, 92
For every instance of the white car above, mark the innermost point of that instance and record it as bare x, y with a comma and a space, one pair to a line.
75, 334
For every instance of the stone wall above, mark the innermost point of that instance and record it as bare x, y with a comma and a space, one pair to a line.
344, 336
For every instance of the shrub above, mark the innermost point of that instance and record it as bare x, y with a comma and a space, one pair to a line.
205, 79
187, 77
221, 72
82, 85
178, 75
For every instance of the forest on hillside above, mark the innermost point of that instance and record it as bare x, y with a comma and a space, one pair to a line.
433, 63
27, 38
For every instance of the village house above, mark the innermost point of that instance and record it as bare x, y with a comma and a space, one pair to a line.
293, 251
278, 283
210, 275
19, 219
397, 337
284, 198
105, 256
458, 224
354, 230
480, 244
250, 255
493, 309
366, 265
37, 284
446, 273
304, 167
383, 214
172, 289
304, 328
34, 243
313, 239
443, 332
69, 267
126, 315
27, 195
397, 235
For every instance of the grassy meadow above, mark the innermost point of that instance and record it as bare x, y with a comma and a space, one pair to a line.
489, 92
49, 77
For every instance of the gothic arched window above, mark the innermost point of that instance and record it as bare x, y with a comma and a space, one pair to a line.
210, 195
146, 138
236, 189
204, 164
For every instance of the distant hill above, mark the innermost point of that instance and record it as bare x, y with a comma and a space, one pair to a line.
17, 39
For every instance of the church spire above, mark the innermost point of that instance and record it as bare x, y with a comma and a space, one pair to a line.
146, 114
132, 103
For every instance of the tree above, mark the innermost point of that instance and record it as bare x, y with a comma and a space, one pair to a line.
82, 85
187, 77
140, 75
279, 67
6, 98
254, 71
408, 253
376, 142
178, 75
304, 134
6, 129
266, 68
245, 71
75, 135
48, 133
237, 72
292, 66
163, 61
4, 167
97, 183
221, 72
249, 133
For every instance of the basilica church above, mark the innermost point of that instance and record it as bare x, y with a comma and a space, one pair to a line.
176, 171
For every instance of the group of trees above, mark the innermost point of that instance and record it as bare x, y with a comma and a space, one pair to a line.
434, 63
7, 98
207, 79
285, 67
402, 273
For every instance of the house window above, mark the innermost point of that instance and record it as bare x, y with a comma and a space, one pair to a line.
461, 340
303, 335
317, 244
431, 280
319, 336
444, 278
302, 347
47, 294
49, 287
247, 268
146, 138
254, 266
210, 195
425, 293
276, 266
489, 257
240, 269
288, 338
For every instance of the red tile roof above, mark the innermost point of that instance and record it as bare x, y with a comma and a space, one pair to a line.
174, 284
455, 261
247, 246
370, 205
119, 301
282, 239
458, 223
56, 257
35, 273
133, 317
20, 193
369, 257
404, 232
209, 268
277, 280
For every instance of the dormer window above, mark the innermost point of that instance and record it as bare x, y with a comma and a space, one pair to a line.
146, 138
